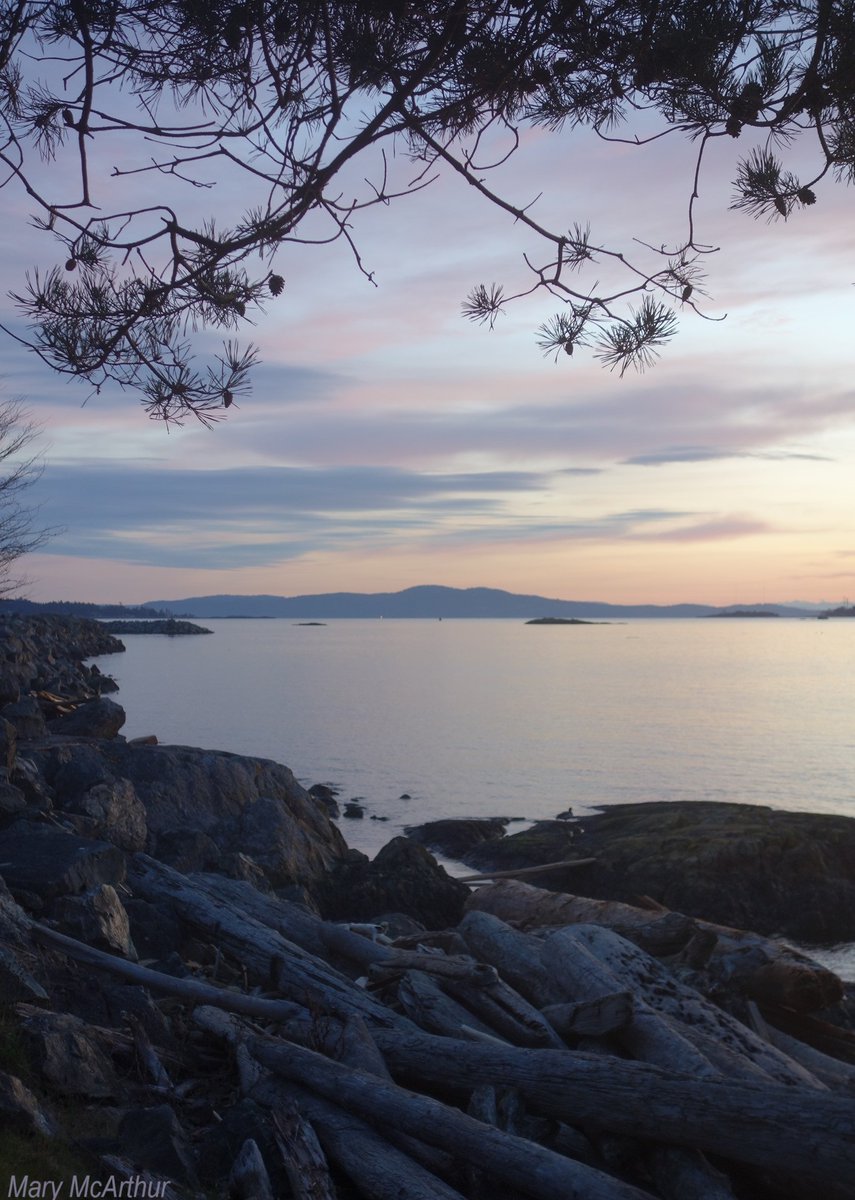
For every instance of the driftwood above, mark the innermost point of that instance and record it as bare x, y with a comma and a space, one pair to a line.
538, 1172
504, 1010
684, 1175
515, 955
522, 872
269, 957
380, 1170
325, 938
192, 990
628, 966
831, 1071
766, 970
427, 1005
248, 1179
533, 908
305, 1163
770, 1125
648, 1036
831, 1039
609, 1013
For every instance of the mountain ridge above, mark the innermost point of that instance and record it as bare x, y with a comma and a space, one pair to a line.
435, 601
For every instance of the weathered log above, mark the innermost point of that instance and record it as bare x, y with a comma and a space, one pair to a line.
530, 908
789, 1127
522, 872
630, 967
831, 1039
381, 1170
378, 1168
835, 1074
267, 955
427, 1005
767, 970
687, 1175
305, 1163
534, 1170
147, 1054
193, 990
506, 1012
609, 1013
648, 1036
248, 1179
516, 956
322, 938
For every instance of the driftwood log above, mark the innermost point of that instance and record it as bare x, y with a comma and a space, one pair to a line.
536, 1171
767, 970
711, 1085
769, 1125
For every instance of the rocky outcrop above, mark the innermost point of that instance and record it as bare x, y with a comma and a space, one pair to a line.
737, 864
202, 805
170, 627
47, 653
456, 837
402, 878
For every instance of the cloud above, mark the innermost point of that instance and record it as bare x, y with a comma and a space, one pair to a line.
256, 515
683, 454
604, 424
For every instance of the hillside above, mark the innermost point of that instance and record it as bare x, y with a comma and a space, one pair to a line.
430, 601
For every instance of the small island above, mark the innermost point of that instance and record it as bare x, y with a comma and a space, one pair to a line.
563, 621
745, 612
170, 627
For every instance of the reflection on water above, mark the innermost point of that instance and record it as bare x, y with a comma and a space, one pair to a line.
487, 718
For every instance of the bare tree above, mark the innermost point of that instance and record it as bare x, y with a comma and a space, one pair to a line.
19, 470
294, 98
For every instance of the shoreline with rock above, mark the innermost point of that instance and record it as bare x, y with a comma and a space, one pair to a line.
203, 987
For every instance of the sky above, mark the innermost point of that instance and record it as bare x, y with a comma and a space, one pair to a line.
388, 442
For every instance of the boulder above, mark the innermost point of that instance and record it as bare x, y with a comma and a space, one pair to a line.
404, 878
10, 687
153, 1139
12, 799
98, 918
16, 982
73, 768
326, 797
98, 718
20, 1110
14, 922
735, 864
66, 1052
8, 744
116, 814
50, 862
241, 805
27, 718
154, 929
32, 783
457, 836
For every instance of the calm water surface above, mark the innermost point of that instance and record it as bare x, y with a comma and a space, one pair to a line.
487, 718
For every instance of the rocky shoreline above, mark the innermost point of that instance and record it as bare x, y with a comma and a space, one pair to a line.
203, 991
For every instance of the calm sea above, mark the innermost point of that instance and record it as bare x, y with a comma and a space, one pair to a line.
499, 718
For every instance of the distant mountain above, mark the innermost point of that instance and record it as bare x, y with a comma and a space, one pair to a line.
432, 602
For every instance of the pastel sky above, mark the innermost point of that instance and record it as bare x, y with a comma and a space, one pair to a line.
388, 442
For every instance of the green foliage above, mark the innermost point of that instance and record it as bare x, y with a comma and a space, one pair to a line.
284, 97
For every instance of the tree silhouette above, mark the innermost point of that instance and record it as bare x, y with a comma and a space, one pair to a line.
19, 470
288, 98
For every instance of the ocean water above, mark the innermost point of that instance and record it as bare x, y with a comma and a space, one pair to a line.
499, 718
